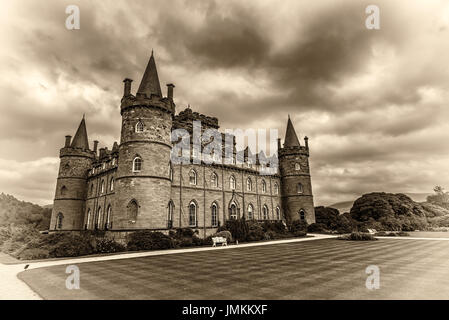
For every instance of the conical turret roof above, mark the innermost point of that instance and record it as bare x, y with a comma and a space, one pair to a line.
291, 139
80, 139
150, 80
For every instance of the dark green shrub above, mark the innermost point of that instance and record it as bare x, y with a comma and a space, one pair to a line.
149, 240
270, 235
35, 253
238, 229
317, 227
275, 226
255, 231
71, 245
298, 228
358, 236
105, 245
184, 232
207, 241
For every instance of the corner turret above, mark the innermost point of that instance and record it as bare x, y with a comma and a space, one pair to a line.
75, 161
296, 183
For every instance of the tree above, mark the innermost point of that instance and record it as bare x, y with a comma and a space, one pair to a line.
440, 198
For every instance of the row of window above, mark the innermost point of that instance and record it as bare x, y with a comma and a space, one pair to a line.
104, 164
193, 177
233, 214
103, 186
99, 221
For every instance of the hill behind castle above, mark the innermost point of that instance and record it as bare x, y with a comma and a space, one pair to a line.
16, 212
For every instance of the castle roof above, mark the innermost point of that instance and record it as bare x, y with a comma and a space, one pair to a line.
291, 139
80, 139
150, 80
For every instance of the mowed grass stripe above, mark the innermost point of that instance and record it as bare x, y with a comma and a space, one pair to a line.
324, 269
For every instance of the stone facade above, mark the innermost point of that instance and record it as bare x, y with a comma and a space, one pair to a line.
136, 186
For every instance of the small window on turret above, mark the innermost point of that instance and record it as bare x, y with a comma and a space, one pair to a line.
137, 164
299, 188
297, 166
139, 126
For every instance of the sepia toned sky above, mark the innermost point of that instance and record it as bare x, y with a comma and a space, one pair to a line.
374, 103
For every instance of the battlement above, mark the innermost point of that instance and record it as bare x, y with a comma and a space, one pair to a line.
186, 117
141, 100
293, 151
76, 152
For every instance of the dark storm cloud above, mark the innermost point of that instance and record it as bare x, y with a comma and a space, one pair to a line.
372, 102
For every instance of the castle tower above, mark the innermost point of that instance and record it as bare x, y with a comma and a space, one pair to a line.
71, 186
297, 198
143, 175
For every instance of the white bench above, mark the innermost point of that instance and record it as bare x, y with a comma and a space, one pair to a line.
221, 240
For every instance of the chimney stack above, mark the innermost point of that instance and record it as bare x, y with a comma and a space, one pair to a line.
95, 146
127, 91
306, 140
67, 141
170, 87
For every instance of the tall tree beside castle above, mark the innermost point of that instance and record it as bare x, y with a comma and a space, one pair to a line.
136, 186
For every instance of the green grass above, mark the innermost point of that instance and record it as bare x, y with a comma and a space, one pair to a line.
319, 269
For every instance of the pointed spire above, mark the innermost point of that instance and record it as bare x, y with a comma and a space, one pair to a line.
150, 80
80, 139
291, 139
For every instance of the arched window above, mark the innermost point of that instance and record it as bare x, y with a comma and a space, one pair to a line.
107, 225
214, 180
232, 183
193, 177
265, 212
137, 164
170, 172
214, 214
264, 186
139, 126
111, 184
113, 162
233, 211
250, 212
276, 188
59, 220
92, 189
299, 188
89, 219
102, 186
132, 211
249, 184
297, 166
171, 208
302, 215
63, 190
99, 219
192, 214
278, 213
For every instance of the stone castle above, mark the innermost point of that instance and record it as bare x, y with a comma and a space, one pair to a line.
135, 185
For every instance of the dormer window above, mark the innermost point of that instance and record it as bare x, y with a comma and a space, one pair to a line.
139, 126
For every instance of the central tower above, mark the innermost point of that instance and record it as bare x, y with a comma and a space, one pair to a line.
143, 174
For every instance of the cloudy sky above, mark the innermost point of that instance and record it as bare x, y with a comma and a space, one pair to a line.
374, 103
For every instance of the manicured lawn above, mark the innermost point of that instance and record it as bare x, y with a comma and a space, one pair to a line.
319, 269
